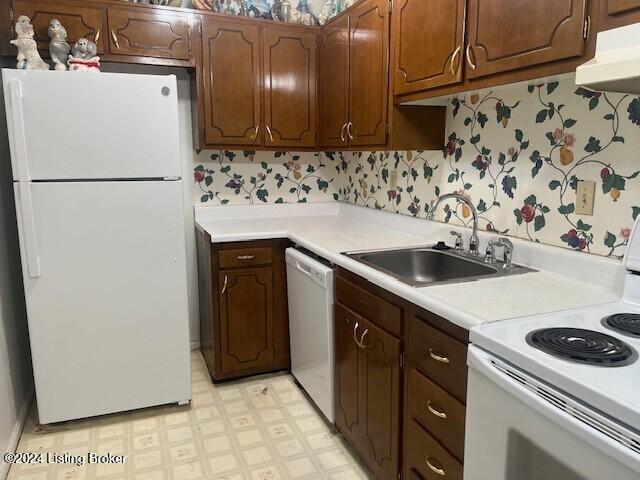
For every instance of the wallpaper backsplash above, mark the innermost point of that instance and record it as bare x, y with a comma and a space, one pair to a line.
517, 152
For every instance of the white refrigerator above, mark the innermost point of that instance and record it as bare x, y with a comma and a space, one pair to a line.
98, 190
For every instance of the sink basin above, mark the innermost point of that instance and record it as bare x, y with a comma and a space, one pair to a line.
426, 266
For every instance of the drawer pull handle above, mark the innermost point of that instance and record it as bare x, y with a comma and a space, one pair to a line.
246, 257
433, 468
361, 342
224, 286
436, 411
96, 39
355, 333
438, 358
115, 39
453, 65
363, 303
469, 61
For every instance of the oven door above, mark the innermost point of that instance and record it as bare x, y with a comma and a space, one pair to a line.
518, 428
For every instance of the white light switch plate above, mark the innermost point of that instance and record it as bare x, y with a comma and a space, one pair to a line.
585, 195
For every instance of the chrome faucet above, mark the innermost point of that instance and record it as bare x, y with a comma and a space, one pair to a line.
474, 241
507, 245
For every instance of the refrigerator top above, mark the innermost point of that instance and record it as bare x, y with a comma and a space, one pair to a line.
92, 126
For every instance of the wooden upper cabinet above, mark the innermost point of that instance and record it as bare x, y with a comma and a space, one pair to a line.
81, 21
507, 35
149, 34
231, 83
246, 305
369, 66
334, 83
428, 44
617, 13
289, 87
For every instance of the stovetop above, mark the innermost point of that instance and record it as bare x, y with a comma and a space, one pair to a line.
558, 347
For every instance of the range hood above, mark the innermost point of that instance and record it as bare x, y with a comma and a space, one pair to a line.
616, 65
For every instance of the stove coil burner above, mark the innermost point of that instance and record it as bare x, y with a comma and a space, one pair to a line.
627, 323
583, 346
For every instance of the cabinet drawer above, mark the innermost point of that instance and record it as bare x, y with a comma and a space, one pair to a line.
440, 413
368, 305
427, 457
149, 35
244, 257
441, 357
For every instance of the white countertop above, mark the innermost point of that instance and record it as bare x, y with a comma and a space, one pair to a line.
329, 229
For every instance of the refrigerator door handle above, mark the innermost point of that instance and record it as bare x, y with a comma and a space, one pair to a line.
25, 215
17, 133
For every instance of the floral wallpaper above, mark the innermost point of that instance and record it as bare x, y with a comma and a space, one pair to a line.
228, 177
516, 152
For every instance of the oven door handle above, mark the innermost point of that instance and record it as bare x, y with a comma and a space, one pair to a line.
492, 368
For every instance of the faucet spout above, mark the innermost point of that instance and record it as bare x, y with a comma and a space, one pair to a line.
474, 241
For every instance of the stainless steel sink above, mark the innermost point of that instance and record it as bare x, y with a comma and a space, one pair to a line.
427, 266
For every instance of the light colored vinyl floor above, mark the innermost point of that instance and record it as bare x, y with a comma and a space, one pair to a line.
261, 428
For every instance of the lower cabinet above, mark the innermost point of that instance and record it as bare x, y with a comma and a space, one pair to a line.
243, 307
368, 389
404, 421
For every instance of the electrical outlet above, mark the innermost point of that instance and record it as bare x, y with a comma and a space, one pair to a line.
393, 180
585, 195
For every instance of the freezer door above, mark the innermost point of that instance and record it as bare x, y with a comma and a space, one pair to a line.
65, 126
107, 303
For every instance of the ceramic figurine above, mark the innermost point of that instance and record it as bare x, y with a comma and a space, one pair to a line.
281, 10
28, 57
58, 47
83, 57
329, 9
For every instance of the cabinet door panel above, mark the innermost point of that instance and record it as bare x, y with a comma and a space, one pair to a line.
231, 70
246, 305
290, 88
79, 21
348, 387
334, 83
381, 353
369, 64
149, 34
617, 13
438, 24
511, 34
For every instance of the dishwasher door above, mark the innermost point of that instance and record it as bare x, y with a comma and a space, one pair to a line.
310, 292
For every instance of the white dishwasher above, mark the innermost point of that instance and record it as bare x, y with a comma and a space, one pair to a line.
310, 292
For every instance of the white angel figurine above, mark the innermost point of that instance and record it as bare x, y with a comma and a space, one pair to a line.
28, 56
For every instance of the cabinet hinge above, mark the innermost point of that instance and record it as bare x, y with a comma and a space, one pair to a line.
587, 27
401, 361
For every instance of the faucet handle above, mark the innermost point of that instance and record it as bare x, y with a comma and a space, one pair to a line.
508, 251
459, 246
432, 210
490, 253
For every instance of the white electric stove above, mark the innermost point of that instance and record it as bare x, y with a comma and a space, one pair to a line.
557, 396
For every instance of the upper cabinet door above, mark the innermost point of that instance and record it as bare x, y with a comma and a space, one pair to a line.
231, 80
438, 24
369, 48
511, 34
289, 87
334, 83
616, 13
80, 21
148, 34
